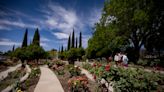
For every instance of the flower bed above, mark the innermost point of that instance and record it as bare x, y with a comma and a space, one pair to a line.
72, 80
12, 78
31, 82
131, 80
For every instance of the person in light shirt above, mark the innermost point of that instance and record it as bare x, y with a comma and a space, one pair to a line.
124, 60
117, 58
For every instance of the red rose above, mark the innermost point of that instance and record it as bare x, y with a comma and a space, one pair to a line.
107, 67
94, 77
94, 65
100, 65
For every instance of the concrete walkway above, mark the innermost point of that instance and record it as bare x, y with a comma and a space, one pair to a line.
48, 82
4, 74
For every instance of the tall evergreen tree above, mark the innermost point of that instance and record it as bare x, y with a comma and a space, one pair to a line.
76, 42
80, 40
36, 38
62, 49
73, 39
13, 49
69, 42
24, 43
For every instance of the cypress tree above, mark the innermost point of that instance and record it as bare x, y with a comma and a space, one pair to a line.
62, 49
36, 38
80, 40
69, 43
24, 43
73, 39
13, 48
76, 42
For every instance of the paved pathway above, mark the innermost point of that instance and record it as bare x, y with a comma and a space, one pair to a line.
4, 74
48, 82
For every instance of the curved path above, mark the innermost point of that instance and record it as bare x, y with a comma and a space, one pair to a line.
48, 82
4, 74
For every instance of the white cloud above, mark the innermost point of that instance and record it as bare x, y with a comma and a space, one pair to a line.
44, 39
7, 42
17, 24
43, 44
4, 28
94, 17
61, 18
60, 35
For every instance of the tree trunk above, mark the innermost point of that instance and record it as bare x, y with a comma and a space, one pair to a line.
137, 54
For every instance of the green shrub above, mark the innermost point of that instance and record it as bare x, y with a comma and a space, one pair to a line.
74, 71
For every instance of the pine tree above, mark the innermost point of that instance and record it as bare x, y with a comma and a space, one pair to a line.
13, 49
69, 42
73, 39
80, 40
24, 43
62, 49
76, 42
36, 38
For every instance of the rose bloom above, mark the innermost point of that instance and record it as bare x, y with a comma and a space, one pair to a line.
107, 67
94, 76
100, 65
94, 65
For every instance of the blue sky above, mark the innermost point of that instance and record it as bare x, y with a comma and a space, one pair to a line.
55, 19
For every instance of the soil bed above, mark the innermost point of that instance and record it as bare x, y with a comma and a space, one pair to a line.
12, 78
93, 86
31, 82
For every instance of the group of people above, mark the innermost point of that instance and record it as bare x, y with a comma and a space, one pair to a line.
121, 59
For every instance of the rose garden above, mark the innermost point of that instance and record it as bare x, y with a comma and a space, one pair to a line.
124, 28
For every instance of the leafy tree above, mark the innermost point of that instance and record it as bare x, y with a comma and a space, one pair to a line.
36, 52
80, 40
36, 38
21, 53
131, 22
72, 55
73, 39
24, 43
80, 53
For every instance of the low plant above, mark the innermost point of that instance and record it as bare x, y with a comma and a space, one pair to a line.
59, 63
78, 84
74, 71
86, 66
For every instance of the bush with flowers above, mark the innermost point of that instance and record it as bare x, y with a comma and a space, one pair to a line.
128, 80
74, 70
78, 84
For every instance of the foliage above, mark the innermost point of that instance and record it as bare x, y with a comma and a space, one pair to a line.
86, 66
129, 80
128, 23
78, 84
73, 39
80, 40
74, 71
24, 43
69, 43
59, 63
29, 53
36, 38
